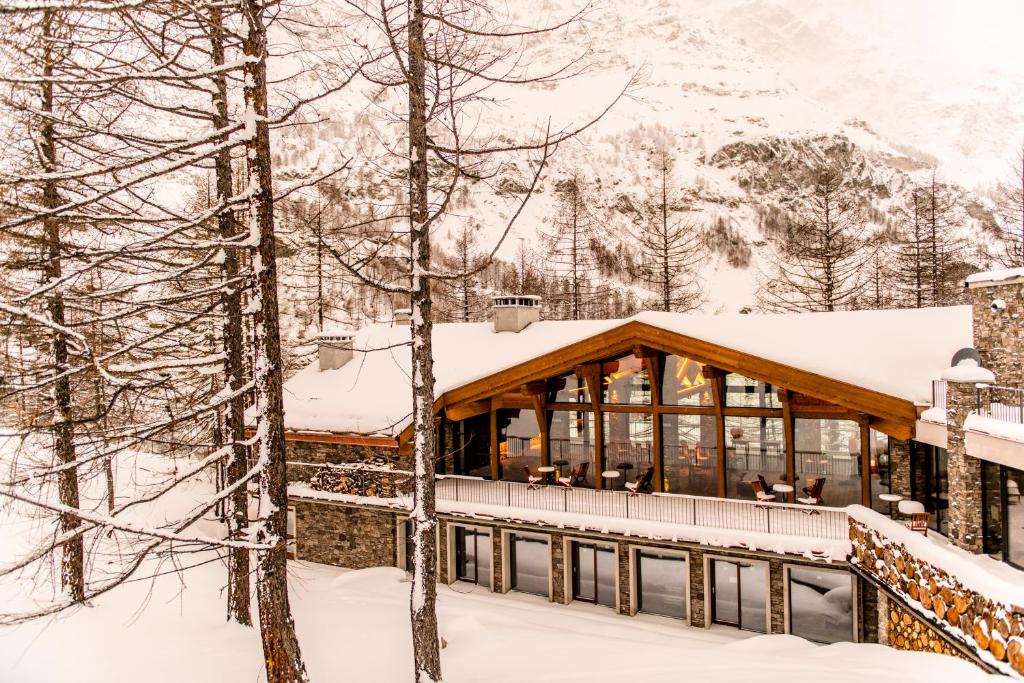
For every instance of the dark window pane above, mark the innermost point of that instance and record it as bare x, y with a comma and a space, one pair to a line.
754, 447
820, 605
518, 443
992, 507
744, 392
1014, 516
409, 546
593, 574
473, 556
625, 380
683, 383
530, 565
472, 454
661, 584
689, 444
880, 471
829, 449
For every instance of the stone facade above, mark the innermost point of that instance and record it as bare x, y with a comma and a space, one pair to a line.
999, 334
345, 535
965, 487
899, 467
306, 457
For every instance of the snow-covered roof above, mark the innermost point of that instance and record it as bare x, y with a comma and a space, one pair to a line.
994, 276
894, 352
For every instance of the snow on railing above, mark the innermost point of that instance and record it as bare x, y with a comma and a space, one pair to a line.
1005, 404
718, 513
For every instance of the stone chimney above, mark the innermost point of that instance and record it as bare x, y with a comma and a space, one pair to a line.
403, 316
334, 349
512, 313
997, 302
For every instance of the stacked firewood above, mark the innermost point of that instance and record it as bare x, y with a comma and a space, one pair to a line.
964, 614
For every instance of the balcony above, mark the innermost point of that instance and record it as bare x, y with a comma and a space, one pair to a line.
718, 521
1005, 404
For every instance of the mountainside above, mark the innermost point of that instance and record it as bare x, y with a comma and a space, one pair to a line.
748, 96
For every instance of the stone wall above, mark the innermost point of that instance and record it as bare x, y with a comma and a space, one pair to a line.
999, 335
899, 467
306, 457
981, 625
965, 486
345, 535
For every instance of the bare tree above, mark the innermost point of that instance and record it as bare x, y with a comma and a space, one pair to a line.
817, 264
1010, 216
570, 246
671, 247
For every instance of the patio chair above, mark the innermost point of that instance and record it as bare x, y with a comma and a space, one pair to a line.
919, 522
765, 486
643, 484
759, 492
533, 481
576, 476
813, 492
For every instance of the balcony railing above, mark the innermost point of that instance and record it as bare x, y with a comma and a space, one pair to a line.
717, 513
1005, 404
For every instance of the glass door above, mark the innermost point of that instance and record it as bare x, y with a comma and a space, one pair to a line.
739, 594
472, 556
593, 574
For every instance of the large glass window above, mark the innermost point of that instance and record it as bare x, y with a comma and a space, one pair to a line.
593, 574
829, 450
529, 564
755, 448
519, 443
936, 487
628, 440
744, 392
625, 380
473, 556
740, 593
572, 442
408, 544
820, 605
683, 383
661, 584
569, 389
472, 454
689, 443
881, 471
1014, 540
993, 505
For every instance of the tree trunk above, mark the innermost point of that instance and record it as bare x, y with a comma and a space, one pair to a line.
239, 608
280, 646
73, 556
426, 649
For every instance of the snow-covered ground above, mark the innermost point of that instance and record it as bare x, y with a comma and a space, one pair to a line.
353, 626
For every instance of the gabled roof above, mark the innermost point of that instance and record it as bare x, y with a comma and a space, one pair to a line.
883, 361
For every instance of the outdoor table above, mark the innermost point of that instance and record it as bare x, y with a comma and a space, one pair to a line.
546, 470
560, 464
890, 498
782, 488
611, 476
625, 467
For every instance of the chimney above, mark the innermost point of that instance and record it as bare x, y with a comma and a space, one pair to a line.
997, 302
513, 313
334, 349
403, 316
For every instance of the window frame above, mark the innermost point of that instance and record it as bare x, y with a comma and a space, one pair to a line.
569, 570
635, 598
508, 572
710, 603
854, 600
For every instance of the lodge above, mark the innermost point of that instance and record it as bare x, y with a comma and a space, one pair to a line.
769, 473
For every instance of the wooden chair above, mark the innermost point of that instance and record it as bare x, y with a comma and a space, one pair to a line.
533, 481
576, 476
765, 486
641, 485
919, 522
813, 492
759, 492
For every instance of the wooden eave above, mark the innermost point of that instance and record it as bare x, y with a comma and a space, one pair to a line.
888, 410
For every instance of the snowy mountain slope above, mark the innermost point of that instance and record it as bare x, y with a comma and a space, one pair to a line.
723, 82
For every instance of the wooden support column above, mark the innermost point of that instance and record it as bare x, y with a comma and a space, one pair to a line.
495, 454
717, 378
538, 391
865, 459
592, 375
652, 363
788, 428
